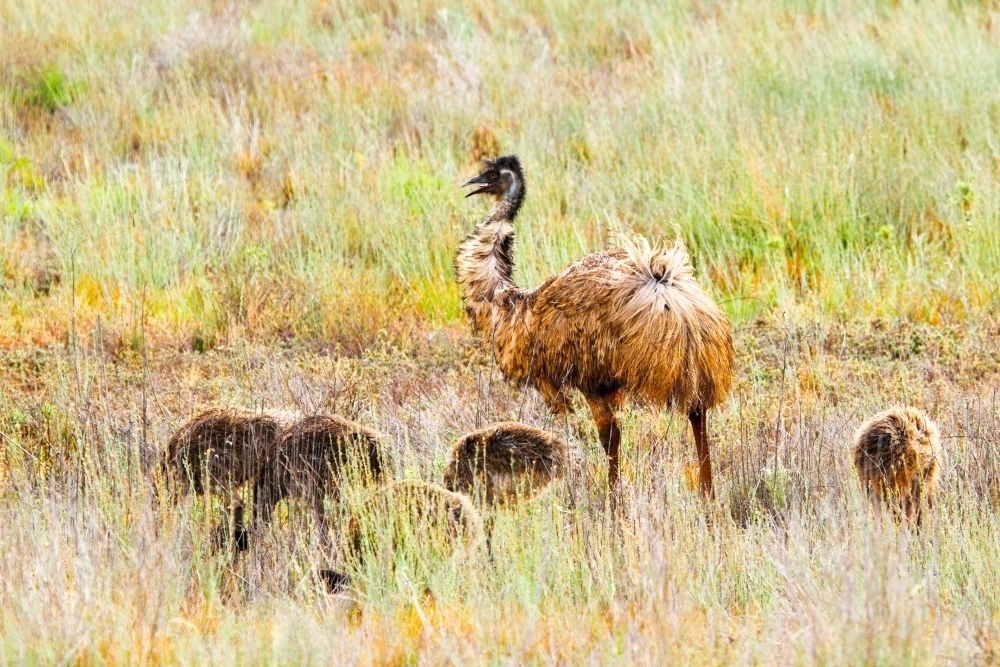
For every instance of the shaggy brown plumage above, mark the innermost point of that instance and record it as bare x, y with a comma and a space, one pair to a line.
507, 461
897, 454
627, 322
311, 458
220, 450
428, 517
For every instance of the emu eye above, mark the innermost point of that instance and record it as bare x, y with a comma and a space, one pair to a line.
493, 175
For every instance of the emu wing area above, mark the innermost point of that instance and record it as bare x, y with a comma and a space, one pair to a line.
611, 322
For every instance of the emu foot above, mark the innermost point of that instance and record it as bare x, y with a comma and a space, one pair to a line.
335, 581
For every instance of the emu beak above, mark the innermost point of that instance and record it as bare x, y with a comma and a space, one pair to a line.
473, 181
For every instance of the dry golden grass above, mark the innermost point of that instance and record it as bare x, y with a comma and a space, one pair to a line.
92, 571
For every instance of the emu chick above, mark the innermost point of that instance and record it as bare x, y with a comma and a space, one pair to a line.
506, 460
897, 454
226, 443
426, 517
314, 455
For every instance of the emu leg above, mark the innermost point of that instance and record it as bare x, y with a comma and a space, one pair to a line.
241, 540
264, 500
699, 423
231, 531
610, 434
915, 505
559, 404
878, 504
554, 399
488, 529
320, 513
929, 496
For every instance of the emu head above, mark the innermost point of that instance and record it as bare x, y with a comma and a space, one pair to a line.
501, 177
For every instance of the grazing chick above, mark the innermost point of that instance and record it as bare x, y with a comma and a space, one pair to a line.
507, 461
219, 451
423, 518
897, 454
312, 457
627, 322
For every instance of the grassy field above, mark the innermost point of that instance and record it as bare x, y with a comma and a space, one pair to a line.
257, 203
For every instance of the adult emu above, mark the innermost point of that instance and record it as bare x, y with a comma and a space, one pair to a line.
627, 322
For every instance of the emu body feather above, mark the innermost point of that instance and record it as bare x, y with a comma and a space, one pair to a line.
897, 454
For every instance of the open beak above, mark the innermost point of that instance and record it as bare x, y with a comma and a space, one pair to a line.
473, 181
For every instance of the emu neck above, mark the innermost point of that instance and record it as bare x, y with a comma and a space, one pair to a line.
508, 206
484, 264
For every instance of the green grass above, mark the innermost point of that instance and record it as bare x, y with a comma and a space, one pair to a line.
819, 158
258, 203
